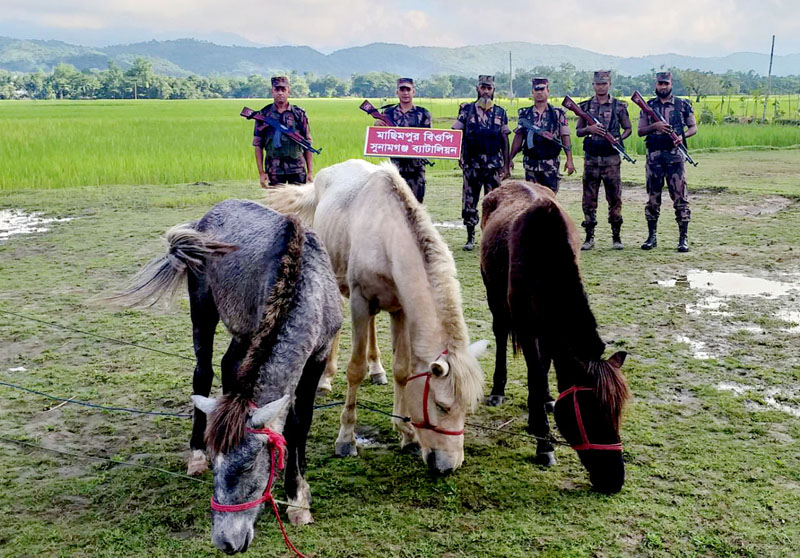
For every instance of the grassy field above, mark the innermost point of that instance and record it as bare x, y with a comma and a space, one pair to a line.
710, 472
53, 144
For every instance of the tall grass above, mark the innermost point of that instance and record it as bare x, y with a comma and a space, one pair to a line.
55, 144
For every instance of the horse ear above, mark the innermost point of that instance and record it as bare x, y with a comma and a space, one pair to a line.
440, 367
617, 359
205, 404
269, 412
477, 348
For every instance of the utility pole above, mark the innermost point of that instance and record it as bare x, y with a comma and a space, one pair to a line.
769, 81
510, 78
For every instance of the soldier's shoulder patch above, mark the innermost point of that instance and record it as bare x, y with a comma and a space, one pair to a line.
524, 110
622, 102
298, 110
266, 108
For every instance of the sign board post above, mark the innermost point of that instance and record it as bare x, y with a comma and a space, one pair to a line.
423, 143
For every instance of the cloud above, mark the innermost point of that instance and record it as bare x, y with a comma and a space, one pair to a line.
620, 27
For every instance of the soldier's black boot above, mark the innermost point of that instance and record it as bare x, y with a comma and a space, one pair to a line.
683, 239
470, 245
589, 244
652, 240
615, 236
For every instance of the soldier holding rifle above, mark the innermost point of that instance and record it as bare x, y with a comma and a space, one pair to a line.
547, 128
286, 161
405, 113
484, 154
666, 125
601, 160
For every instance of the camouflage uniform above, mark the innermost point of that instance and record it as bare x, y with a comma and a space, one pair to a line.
411, 169
665, 161
542, 161
284, 164
601, 162
482, 159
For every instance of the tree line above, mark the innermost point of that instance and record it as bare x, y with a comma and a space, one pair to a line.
139, 81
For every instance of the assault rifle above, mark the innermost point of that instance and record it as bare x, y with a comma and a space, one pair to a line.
533, 130
676, 139
370, 109
615, 143
280, 130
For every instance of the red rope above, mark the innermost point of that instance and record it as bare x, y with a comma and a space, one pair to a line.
585, 445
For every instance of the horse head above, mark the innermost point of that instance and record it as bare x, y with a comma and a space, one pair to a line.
438, 400
243, 443
588, 416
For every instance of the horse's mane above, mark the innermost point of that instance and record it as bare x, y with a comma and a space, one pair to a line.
544, 280
226, 428
610, 388
440, 268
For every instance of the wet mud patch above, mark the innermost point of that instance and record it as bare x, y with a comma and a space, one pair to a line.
17, 222
766, 398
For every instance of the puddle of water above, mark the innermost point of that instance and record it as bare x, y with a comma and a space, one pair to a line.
711, 305
698, 348
364, 442
791, 316
769, 397
450, 225
18, 369
14, 221
737, 284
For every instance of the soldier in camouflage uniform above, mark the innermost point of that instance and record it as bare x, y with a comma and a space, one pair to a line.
601, 162
289, 163
484, 151
542, 160
664, 160
406, 114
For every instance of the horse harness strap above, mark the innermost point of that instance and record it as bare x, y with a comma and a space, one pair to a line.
276, 444
585, 444
426, 423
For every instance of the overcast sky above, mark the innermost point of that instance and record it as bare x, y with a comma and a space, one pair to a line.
620, 27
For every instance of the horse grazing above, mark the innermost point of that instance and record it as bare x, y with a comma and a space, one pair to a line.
529, 264
271, 283
387, 255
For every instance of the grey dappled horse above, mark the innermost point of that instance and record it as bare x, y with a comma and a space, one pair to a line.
270, 281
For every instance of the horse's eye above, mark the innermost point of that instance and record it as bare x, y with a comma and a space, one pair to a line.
443, 409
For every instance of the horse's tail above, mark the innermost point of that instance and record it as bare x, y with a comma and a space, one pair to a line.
299, 200
187, 249
546, 294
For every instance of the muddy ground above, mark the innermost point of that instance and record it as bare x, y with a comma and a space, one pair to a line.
711, 437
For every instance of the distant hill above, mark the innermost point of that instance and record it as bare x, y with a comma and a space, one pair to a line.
189, 56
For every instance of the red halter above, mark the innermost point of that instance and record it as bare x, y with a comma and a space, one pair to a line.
426, 423
585, 445
277, 444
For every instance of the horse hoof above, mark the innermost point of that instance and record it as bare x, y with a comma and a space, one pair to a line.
298, 516
198, 464
347, 449
412, 448
324, 387
550, 407
379, 379
495, 400
546, 459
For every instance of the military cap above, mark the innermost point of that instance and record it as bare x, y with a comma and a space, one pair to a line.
539, 82
664, 76
485, 80
602, 76
278, 81
407, 81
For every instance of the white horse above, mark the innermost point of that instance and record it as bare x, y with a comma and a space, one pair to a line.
387, 255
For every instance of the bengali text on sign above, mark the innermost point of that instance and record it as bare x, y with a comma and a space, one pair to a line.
426, 143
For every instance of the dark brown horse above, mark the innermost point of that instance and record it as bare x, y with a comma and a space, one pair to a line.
529, 264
